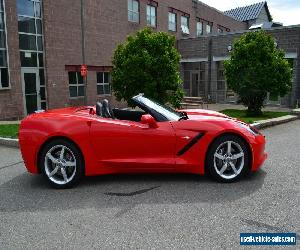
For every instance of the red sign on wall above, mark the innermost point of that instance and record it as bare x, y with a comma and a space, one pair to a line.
83, 70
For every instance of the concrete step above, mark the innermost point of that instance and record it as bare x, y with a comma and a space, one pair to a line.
198, 100
190, 104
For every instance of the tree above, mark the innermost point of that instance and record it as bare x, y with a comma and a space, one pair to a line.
255, 68
147, 63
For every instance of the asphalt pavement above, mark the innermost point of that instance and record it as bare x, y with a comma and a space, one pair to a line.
152, 211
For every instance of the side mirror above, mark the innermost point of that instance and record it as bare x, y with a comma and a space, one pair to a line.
148, 119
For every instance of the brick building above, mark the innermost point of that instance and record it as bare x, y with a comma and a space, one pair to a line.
44, 42
202, 64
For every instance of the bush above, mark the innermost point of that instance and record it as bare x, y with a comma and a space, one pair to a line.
255, 68
147, 63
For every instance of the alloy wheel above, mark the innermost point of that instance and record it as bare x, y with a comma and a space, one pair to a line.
60, 164
229, 160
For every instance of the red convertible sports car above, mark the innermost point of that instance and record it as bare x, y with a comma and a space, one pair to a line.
66, 144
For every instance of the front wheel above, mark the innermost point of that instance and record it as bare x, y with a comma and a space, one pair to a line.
228, 159
61, 163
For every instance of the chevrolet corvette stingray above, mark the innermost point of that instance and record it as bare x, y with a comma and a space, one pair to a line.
65, 144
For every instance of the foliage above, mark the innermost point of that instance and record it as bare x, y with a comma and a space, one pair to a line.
243, 115
255, 68
147, 63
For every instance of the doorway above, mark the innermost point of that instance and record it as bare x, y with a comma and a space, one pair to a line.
194, 84
197, 84
31, 90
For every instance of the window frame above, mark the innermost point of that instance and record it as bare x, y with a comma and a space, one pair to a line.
132, 12
151, 7
38, 37
5, 49
173, 23
103, 84
185, 25
198, 34
187, 21
210, 25
77, 85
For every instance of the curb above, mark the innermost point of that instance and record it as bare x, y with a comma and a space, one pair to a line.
274, 121
296, 112
9, 142
259, 125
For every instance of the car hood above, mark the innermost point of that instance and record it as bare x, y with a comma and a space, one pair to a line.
195, 114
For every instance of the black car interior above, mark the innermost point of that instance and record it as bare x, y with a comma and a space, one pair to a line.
104, 110
130, 115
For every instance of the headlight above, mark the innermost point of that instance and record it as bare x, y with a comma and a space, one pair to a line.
249, 128
254, 130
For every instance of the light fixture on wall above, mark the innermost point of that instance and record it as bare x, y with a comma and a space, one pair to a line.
229, 48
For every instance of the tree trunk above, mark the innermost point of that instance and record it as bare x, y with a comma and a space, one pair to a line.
254, 101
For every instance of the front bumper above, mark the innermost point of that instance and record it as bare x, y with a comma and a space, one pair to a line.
258, 152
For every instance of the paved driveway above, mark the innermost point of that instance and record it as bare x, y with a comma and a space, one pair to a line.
157, 212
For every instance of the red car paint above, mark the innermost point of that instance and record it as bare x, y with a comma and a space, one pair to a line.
118, 146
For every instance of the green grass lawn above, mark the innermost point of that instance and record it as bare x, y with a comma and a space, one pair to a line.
241, 115
9, 130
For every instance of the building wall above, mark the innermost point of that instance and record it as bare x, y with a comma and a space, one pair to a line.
218, 18
11, 100
106, 25
263, 16
287, 38
62, 38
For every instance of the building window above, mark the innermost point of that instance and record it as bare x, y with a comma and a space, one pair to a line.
103, 83
76, 86
31, 43
4, 76
30, 33
133, 11
185, 25
208, 28
222, 29
220, 76
199, 29
151, 16
172, 22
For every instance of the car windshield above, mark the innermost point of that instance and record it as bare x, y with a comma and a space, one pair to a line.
166, 111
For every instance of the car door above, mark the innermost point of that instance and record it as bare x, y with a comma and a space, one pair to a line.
133, 145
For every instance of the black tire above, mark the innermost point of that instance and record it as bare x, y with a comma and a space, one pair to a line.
211, 165
75, 157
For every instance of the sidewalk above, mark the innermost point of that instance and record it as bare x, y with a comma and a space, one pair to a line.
9, 122
219, 107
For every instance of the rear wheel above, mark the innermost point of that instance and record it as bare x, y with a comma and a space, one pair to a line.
228, 159
61, 163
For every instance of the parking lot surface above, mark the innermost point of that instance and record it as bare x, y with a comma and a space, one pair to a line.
152, 211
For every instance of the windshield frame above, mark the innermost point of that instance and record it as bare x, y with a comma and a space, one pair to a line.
159, 111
